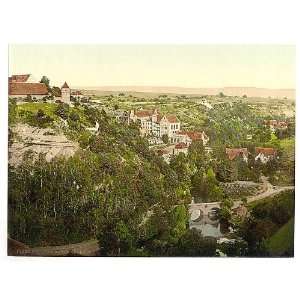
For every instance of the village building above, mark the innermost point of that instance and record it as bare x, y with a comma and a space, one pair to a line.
265, 154
168, 151
153, 123
180, 148
77, 95
21, 87
188, 137
65, 93
21, 78
233, 153
274, 124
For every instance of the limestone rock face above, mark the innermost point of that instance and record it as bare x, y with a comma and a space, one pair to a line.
35, 141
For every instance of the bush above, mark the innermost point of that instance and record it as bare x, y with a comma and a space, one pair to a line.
62, 110
74, 116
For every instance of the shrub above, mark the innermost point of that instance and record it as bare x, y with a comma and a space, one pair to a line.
62, 110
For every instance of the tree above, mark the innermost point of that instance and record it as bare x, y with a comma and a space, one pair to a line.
215, 192
12, 111
245, 96
74, 116
62, 110
225, 211
55, 91
192, 243
221, 94
165, 138
244, 200
46, 81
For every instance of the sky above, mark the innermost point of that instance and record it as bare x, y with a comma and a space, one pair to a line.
196, 66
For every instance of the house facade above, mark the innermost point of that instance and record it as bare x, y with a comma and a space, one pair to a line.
188, 137
275, 124
233, 153
153, 123
264, 155
22, 87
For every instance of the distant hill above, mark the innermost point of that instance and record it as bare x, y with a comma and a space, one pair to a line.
231, 91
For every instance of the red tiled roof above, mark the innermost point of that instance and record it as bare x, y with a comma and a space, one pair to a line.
18, 78
143, 113
265, 151
234, 152
181, 146
65, 86
25, 88
193, 135
172, 118
282, 124
162, 152
275, 123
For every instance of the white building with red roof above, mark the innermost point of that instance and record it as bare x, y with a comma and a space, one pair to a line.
264, 154
154, 123
21, 86
188, 137
233, 153
65, 93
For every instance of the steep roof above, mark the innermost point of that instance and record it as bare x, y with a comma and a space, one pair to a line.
25, 88
65, 86
265, 151
193, 135
275, 123
181, 146
18, 78
235, 152
172, 118
143, 113
162, 152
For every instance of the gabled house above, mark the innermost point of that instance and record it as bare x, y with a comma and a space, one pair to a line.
264, 154
22, 90
77, 95
153, 123
233, 153
180, 148
274, 124
22, 86
189, 136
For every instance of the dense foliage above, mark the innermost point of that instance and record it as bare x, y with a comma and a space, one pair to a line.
116, 190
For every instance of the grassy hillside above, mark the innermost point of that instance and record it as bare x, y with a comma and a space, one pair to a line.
282, 242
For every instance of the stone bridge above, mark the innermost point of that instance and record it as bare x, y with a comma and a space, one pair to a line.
205, 209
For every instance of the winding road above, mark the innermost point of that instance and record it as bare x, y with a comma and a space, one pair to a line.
269, 190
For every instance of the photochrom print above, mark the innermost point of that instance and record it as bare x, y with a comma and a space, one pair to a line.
151, 150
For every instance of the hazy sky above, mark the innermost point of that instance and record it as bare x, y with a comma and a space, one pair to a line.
199, 66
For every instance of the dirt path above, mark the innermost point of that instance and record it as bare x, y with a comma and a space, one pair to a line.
86, 248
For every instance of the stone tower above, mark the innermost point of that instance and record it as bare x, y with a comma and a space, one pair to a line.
65, 93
